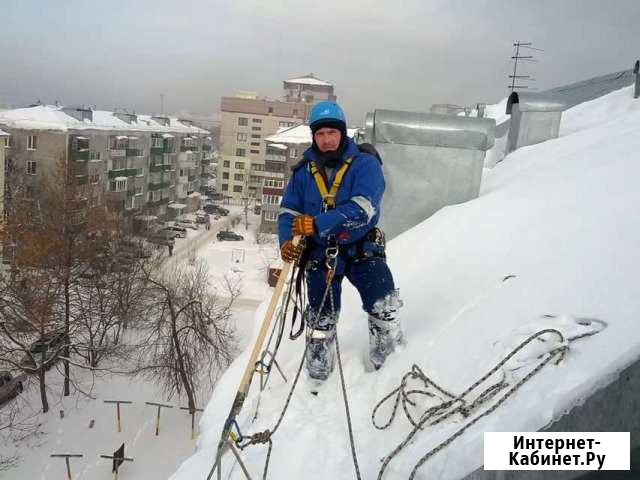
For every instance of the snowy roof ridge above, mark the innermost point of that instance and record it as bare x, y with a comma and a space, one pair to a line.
51, 117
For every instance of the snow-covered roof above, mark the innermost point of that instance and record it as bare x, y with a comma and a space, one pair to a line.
309, 80
300, 134
51, 117
279, 146
3, 134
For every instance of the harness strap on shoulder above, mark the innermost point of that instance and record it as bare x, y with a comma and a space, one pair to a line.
329, 195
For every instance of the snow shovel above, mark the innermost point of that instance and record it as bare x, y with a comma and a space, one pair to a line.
249, 370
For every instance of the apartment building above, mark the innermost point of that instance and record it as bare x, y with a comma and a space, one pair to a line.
5, 140
143, 165
247, 120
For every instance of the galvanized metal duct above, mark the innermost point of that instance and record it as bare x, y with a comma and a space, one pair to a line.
536, 102
430, 129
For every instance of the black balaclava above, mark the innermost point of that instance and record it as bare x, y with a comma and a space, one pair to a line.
331, 158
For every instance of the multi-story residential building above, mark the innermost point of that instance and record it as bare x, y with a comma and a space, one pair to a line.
5, 140
247, 120
144, 165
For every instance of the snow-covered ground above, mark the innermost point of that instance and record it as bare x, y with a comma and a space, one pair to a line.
553, 237
155, 457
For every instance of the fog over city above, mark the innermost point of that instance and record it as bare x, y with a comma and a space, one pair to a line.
403, 55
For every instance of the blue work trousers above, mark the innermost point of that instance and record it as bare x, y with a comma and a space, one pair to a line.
371, 277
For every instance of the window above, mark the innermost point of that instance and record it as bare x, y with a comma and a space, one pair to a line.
285, 124
256, 129
256, 120
238, 177
226, 164
32, 142
94, 178
270, 216
255, 152
31, 167
119, 185
240, 165
271, 199
225, 175
181, 172
80, 144
255, 178
94, 156
255, 135
242, 137
140, 172
255, 144
8, 141
138, 190
270, 109
293, 153
225, 187
241, 152
237, 188
273, 183
257, 167
119, 163
156, 142
295, 112
243, 121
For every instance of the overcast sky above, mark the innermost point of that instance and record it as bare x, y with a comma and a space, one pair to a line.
398, 54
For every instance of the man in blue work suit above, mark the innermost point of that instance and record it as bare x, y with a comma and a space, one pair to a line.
333, 199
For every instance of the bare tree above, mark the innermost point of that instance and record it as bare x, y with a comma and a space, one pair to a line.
28, 311
187, 331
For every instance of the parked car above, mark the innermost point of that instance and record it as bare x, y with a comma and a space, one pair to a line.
169, 232
10, 386
213, 209
50, 344
187, 223
177, 231
202, 218
228, 235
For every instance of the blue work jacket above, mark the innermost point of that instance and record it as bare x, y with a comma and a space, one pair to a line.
358, 200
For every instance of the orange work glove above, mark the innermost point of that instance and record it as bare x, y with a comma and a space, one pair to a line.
303, 225
290, 252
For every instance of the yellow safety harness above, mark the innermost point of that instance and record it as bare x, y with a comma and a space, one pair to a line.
329, 195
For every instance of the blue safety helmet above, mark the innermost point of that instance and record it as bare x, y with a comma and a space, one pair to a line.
326, 112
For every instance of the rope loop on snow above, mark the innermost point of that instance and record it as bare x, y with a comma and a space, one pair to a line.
459, 404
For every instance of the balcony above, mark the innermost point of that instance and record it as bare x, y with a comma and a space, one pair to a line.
157, 186
157, 150
156, 168
134, 152
118, 153
188, 148
205, 161
191, 178
79, 155
206, 148
275, 158
124, 172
